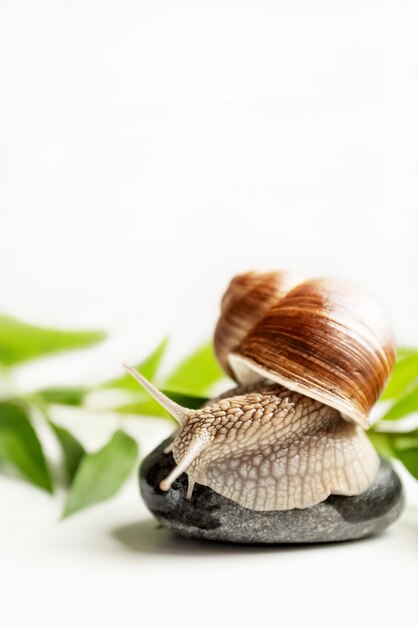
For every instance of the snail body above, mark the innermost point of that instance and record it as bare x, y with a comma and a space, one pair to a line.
310, 359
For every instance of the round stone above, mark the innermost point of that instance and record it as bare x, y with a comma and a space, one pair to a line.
208, 515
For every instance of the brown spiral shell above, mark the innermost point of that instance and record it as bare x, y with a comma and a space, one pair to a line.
248, 297
324, 338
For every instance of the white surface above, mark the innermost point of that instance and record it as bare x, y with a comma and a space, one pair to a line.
112, 563
149, 150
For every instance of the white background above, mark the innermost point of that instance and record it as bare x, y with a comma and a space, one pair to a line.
148, 151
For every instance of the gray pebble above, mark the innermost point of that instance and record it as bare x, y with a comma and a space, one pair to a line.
211, 516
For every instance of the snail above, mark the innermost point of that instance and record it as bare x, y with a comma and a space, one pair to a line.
310, 359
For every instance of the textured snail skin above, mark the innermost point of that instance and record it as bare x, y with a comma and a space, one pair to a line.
324, 338
314, 355
272, 449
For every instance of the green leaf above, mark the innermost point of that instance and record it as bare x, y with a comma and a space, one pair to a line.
404, 441
403, 378
72, 449
101, 474
403, 351
196, 374
148, 368
69, 396
142, 404
20, 446
186, 400
21, 342
409, 458
403, 446
382, 442
404, 406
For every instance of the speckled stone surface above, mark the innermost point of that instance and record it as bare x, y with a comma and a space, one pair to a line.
211, 516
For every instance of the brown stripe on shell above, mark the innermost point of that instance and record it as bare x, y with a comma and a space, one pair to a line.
331, 340
248, 297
